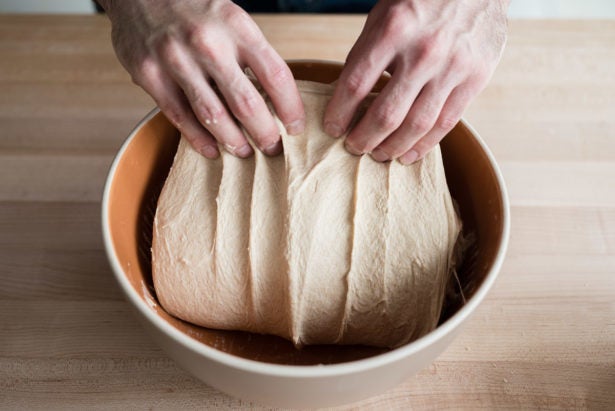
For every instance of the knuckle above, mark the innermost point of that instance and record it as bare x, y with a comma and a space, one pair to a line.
208, 112
246, 104
386, 118
198, 102
420, 124
279, 74
447, 123
356, 85
203, 40
395, 23
234, 16
211, 112
191, 31
243, 25
194, 95
175, 115
431, 49
199, 36
145, 72
170, 53
194, 92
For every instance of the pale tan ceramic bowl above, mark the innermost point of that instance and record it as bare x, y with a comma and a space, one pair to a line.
268, 369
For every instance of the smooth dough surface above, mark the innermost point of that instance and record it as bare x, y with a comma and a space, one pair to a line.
316, 245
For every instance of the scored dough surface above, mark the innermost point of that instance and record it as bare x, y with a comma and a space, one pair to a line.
316, 245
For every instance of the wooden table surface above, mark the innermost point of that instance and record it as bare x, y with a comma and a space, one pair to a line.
543, 338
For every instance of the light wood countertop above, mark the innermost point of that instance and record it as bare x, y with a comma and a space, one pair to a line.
543, 338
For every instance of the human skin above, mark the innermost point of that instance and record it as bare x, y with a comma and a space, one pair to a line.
181, 51
440, 54
190, 56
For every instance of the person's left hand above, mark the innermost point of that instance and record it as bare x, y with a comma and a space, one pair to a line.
440, 53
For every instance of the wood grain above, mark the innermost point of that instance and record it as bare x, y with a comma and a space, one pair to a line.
543, 338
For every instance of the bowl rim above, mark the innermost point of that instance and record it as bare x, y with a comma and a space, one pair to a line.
302, 371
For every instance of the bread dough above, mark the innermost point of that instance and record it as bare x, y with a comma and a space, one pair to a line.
317, 245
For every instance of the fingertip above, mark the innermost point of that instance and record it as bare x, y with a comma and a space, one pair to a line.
244, 151
410, 157
351, 149
380, 155
273, 149
209, 151
269, 143
333, 129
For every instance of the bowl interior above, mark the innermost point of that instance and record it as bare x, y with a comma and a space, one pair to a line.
143, 168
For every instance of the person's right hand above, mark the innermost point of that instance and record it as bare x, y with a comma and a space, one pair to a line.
178, 50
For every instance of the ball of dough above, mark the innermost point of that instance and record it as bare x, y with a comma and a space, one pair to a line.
316, 245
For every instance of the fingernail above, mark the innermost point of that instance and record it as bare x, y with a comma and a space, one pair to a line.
333, 129
380, 156
409, 158
273, 149
296, 127
244, 151
210, 152
352, 150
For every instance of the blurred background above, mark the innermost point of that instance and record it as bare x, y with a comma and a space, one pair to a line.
562, 9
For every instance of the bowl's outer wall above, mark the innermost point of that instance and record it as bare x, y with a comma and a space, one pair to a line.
298, 392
